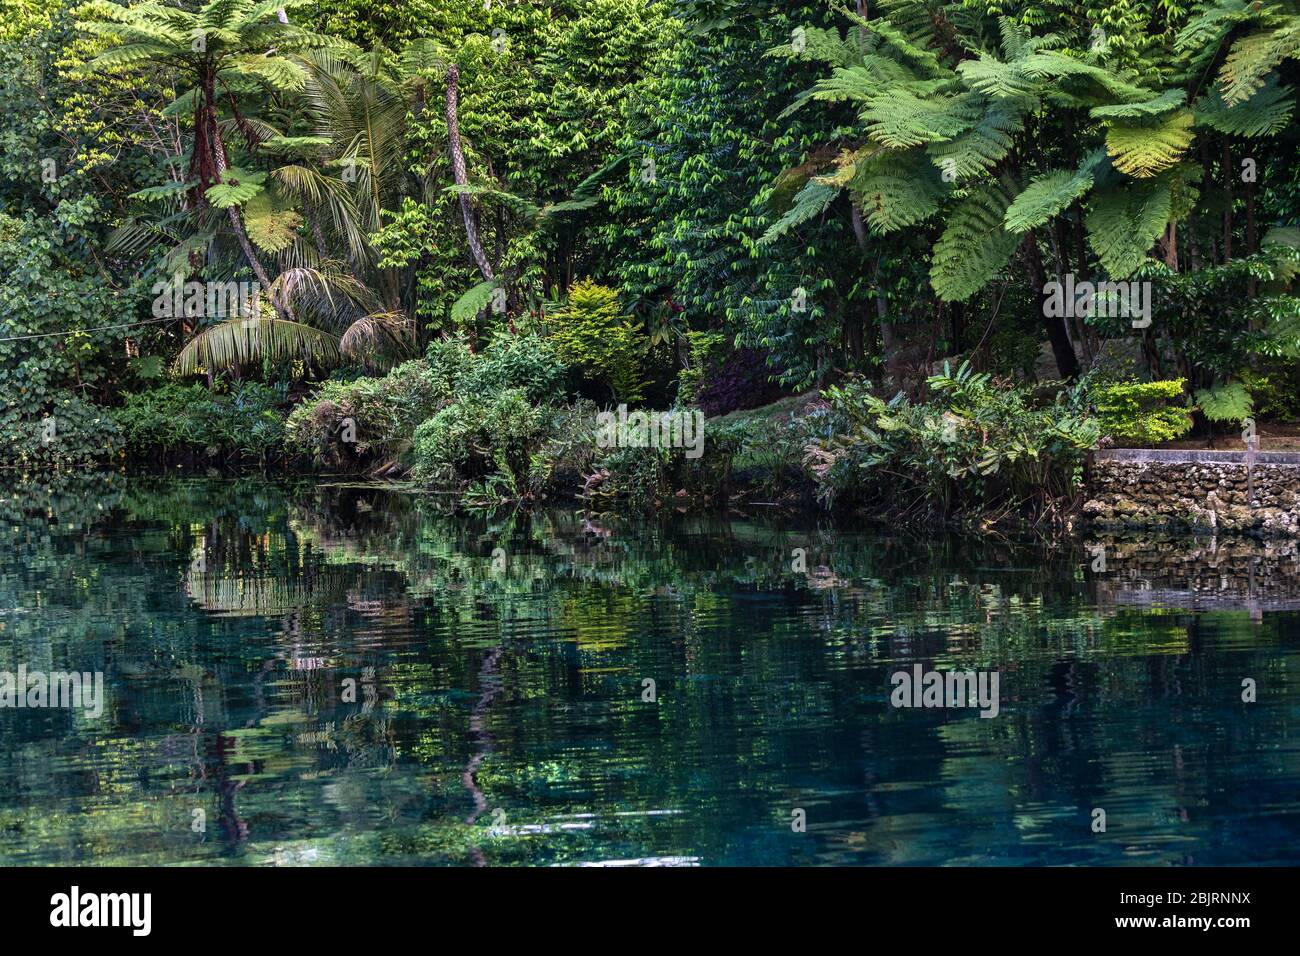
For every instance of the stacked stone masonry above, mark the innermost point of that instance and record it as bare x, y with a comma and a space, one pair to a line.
1208, 492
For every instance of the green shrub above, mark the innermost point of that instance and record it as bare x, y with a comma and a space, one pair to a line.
1136, 411
489, 442
976, 446
768, 453
527, 362
568, 456
450, 360
193, 421
642, 477
1275, 388
367, 421
591, 332
705, 349
72, 433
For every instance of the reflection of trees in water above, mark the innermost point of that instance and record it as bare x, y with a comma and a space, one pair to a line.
759, 668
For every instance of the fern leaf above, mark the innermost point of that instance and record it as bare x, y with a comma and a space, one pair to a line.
1143, 148
474, 301
272, 230
1265, 113
1253, 57
237, 186
992, 77
981, 147
809, 202
900, 118
1166, 101
896, 190
1125, 220
974, 245
1050, 193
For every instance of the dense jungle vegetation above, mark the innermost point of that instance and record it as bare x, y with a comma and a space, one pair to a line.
436, 240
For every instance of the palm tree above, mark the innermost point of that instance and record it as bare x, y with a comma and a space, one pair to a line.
220, 56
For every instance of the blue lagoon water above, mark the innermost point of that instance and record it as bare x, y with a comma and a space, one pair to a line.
318, 673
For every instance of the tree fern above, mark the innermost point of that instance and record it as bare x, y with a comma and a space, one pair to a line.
974, 244
1143, 148
1253, 57
896, 190
1265, 113
1156, 106
902, 117
1125, 220
809, 202
981, 147
1049, 194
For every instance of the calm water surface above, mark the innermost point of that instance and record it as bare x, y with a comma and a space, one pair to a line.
324, 674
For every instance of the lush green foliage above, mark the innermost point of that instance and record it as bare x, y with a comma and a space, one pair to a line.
366, 421
480, 218
1143, 412
591, 332
176, 420
976, 444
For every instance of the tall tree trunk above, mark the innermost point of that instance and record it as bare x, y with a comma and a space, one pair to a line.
1250, 232
1077, 326
1082, 272
887, 337
1067, 363
461, 175
236, 221
1227, 209
1169, 245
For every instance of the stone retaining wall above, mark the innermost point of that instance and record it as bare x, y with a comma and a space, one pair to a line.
1199, 491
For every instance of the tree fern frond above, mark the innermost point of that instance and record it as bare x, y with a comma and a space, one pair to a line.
992, 77
809, 202
1049, 194
983, 146
1207, 27
1253, 57
279, 73
896, 190
1125, 220
271, 229
974, 245
126, 55
1166, 101
900, 118
237, 186
1265, 113
472, 302
1051, 64
1143, 148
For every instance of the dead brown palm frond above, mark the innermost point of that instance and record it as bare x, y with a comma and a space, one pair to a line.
377, 334
325, 291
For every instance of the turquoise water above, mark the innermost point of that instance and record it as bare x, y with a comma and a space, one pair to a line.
323, 674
